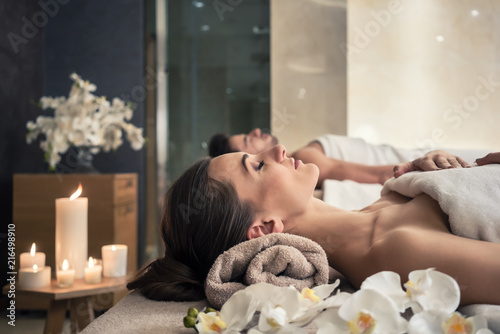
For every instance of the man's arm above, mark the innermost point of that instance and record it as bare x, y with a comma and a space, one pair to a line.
342, 170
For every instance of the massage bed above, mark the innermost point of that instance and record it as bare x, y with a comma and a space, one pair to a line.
136, 314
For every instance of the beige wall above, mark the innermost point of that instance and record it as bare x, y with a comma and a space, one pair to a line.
425, 73
308, 70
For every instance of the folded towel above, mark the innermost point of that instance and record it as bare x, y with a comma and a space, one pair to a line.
279, 258
469, 196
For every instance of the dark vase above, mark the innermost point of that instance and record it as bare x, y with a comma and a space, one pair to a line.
84, 161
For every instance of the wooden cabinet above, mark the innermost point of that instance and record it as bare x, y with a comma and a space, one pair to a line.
112, 211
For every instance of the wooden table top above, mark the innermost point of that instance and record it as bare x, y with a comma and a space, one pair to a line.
78, 289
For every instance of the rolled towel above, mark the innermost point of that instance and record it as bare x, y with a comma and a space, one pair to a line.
279, 258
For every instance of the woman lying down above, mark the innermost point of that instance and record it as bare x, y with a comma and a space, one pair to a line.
224, 201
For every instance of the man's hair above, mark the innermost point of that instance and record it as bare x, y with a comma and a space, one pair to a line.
219, 144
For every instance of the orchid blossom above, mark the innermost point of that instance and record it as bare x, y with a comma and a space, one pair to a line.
432, 290
83, 120
233, 317
438, 321
366, 311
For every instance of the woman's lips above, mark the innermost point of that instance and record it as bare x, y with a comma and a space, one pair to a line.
297, 162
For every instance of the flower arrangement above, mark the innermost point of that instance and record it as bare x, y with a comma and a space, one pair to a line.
377, 307
83, 120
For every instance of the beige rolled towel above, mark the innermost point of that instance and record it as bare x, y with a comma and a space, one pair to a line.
281, 259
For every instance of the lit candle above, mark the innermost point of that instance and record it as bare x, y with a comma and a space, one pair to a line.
34, 277
114, 260
93, 272
71, 231
27, 260
65, 274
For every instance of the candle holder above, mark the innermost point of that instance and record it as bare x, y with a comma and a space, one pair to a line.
93, 271
27, 260
114, 260
35, 277
65, 274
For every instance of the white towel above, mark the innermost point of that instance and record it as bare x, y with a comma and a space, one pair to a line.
469, 196
359, 151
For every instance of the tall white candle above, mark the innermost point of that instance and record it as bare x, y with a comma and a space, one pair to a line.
114, 260
35, 277
27, 260
71, 231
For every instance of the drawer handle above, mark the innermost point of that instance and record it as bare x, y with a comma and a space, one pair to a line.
126, 210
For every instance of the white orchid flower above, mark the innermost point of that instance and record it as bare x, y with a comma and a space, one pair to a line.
272, 318
233, 317
439, 321
82, 119
389, 283
432, 290
314, 301
278, 305
210, 323
135, 137
364, 312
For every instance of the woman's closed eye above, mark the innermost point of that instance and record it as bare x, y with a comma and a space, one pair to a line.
261, 164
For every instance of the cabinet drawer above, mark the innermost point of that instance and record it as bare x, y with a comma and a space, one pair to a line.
125, 189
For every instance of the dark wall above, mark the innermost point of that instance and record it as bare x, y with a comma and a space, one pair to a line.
102, 41
21, 80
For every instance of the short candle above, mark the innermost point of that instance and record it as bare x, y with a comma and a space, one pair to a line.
114, 260
34, 277
93, 271
27, 260
65, 275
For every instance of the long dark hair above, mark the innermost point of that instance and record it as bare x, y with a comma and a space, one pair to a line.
202, 218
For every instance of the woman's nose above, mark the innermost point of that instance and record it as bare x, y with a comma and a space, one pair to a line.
279, 152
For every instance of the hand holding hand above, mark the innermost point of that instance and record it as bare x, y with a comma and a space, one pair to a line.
433, 160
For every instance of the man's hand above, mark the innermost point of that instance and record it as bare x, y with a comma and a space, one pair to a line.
433, 160
490, 158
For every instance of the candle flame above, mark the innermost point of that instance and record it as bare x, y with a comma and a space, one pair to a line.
91, 262
33, 249
65, 265
77, 193
35, 267
113, 248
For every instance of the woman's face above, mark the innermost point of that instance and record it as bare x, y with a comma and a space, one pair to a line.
272, 182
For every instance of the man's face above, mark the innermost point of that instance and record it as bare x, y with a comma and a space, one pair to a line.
254, 142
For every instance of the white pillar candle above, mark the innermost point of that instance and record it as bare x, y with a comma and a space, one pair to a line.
71, 231
93, 271
114, 260
27, 260
65, 274
34, 277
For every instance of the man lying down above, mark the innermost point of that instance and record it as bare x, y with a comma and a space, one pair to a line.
339, 157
